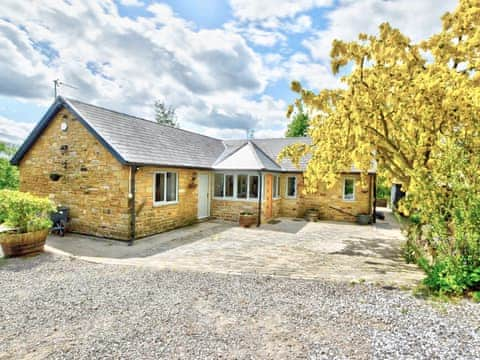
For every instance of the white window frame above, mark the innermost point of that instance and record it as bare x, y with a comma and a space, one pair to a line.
164, 202
343, 189
286, 187
277, 187
235, 186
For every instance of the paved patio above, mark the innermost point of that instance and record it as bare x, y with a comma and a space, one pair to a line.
289, 248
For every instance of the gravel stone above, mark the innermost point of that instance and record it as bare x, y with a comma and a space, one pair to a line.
55, 307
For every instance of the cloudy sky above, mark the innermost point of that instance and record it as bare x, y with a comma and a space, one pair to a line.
224, 65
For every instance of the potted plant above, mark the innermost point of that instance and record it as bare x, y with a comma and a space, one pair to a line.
364, 219
312, 215
26, 222
247, 219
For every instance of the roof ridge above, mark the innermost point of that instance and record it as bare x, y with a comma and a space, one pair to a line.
255, 153
139, 118
265, 154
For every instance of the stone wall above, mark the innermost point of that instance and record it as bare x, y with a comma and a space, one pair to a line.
93, 184
230, 210
329, 202
151, 218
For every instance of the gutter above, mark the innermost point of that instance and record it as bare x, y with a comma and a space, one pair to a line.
131, 199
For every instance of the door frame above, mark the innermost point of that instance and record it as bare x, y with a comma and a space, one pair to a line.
208, 189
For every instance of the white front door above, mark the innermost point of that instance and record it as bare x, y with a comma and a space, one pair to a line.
203, 196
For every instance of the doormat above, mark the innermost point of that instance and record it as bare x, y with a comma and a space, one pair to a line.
273, 222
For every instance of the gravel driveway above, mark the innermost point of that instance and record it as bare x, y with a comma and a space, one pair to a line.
56, 307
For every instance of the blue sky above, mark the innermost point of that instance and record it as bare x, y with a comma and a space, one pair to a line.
224, 65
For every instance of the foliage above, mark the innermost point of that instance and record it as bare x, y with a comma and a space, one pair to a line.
414, 109
383, 190
165, 114
9, 177
299, 124
402, 99
25, 212
451, 275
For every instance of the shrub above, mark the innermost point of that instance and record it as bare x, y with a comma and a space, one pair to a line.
25, 212
451, 275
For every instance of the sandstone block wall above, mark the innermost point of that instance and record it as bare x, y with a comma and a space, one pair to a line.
93, 184
151, 218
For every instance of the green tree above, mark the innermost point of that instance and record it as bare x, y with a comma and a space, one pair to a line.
165, 114
9, 177
299, 124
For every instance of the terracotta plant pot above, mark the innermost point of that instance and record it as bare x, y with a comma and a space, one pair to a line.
247, 220
14, 244
312, 215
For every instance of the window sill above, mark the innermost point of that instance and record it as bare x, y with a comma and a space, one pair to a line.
234, 199
165, 203
349, 200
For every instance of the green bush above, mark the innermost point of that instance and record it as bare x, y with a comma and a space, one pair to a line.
451, 275
9, 177
25, 212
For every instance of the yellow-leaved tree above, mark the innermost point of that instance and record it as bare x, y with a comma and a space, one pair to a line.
400, 103
414, 109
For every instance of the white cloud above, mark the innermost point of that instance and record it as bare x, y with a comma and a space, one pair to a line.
125, 64
13, 132
137, 3
258, 10
416, 19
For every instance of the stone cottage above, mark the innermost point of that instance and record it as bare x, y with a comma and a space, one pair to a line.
124, 177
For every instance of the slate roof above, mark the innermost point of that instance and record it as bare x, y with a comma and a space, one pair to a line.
137, 141
247, 156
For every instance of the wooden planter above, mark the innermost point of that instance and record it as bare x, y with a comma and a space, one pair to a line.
312, 215
247, 220
381, 202
14, 244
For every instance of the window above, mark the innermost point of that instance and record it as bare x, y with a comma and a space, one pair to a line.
219, 185
241, 186
349, 189
253, 187
165, 188
229, 181
276, 186
291, 186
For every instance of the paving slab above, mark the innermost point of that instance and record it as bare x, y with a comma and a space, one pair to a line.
291, 248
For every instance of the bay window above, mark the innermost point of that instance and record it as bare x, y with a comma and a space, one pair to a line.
276, 186
236, 186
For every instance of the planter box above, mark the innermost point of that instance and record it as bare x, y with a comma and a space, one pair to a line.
311, 215
23, 244
382, 202
247, 220
364, 219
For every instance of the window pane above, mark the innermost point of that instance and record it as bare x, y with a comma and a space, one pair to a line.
171, 186
242, 186
276, 183
218, 185
160, 187
291, 186
349, 189
253, 194
229, 185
